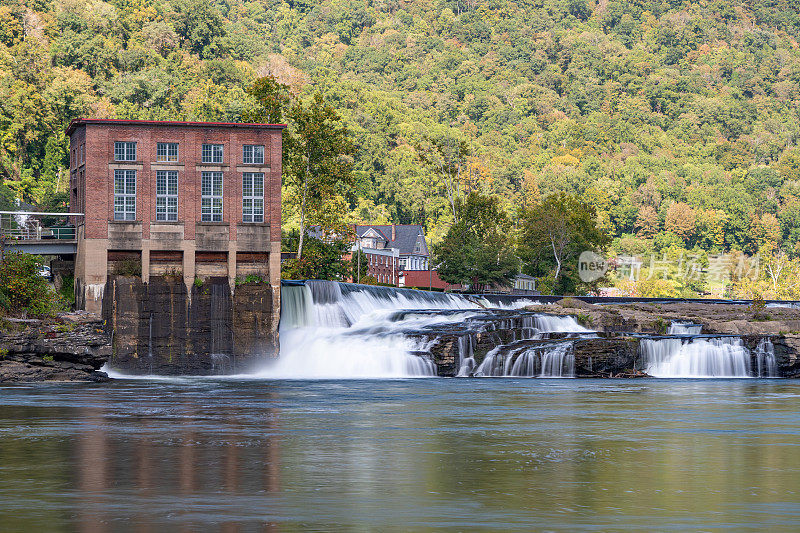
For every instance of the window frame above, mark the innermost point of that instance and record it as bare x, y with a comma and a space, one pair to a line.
214, 149
253, 217
167, 201
125, 198
252, 154
125, 152
167, 157
211, 206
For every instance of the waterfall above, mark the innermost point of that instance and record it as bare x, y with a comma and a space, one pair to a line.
545, 361
696, 357
765, 359
684, 328
341, 330
297, 305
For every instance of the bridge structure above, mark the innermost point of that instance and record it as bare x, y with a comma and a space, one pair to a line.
23, 231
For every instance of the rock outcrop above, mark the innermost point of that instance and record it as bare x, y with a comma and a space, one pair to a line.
73, 347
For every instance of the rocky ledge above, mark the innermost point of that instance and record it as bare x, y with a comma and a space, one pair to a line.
72, 347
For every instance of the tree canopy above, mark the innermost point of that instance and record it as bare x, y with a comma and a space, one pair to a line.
677, 121
478, 248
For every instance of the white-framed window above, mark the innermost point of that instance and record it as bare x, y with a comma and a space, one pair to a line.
167, 152
124, 151
212, 153
167, 195
253, 197
124, 194
253, 154
211, 197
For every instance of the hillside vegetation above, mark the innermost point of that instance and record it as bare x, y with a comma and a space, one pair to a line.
678, 121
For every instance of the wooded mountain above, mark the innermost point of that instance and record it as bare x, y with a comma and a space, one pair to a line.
677, 120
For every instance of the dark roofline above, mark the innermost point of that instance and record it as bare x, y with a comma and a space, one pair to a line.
121, 122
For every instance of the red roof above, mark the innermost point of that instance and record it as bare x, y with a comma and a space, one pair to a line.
121, 122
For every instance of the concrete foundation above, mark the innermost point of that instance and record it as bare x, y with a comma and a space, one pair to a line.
164, 327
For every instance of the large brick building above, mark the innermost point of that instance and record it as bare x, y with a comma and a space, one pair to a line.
190, 199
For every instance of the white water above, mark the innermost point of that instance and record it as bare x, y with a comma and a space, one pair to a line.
552, 360
331, 330
548, 361
684, 328
766, 366
696, 358
334, 330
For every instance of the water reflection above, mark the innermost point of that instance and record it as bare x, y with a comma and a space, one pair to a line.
399, 455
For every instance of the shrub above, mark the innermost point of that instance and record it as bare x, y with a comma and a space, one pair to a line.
250, 278
128, 267
67, 291
23, 290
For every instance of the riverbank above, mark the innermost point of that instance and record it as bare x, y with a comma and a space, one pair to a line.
71, 347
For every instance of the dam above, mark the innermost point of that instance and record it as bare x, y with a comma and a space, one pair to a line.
334, 330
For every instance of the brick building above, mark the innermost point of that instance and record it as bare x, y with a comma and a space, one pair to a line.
393, 250
191, 199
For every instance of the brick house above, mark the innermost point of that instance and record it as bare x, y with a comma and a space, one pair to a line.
190, 199
393, 250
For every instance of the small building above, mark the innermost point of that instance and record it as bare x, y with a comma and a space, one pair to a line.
392, 250
187, 199
524, 284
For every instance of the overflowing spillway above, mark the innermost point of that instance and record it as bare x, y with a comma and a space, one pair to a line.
333, 330
340, 330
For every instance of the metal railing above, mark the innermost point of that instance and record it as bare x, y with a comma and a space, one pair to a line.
26, 226
39, 233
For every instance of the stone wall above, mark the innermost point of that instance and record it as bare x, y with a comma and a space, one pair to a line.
162, 327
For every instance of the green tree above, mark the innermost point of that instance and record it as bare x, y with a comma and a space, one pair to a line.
319, 165
22, 289
478, 247
322, 260
273, 98
552, 235
198, 24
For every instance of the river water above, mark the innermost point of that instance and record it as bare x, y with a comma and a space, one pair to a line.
398, 455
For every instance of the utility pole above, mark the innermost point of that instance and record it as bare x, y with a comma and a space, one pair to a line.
358, 251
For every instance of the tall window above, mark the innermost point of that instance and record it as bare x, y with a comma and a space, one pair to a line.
253, 154
212, 153
124, 151
211, 197
167, 195
81, 152
253, 197
167, 152
124, 195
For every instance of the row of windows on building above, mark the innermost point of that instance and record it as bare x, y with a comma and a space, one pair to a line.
252, 154
167, 196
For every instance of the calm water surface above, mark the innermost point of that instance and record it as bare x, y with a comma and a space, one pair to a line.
425, 454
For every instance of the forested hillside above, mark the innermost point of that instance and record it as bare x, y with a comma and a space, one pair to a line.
677, 120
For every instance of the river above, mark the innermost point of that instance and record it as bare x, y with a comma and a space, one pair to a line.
397, 455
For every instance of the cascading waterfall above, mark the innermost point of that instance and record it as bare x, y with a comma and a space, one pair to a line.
765, 359
684, 328
521, 360
696, 357
546, 361
340, 330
